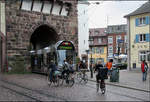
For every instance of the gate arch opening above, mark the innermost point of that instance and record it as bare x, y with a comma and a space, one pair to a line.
42, 37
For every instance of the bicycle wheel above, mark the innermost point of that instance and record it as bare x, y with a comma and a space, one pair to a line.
48, 80
79, 77
57, 81
85, 78
103, 90
70, 81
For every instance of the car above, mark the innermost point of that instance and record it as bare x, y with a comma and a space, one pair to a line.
121, 66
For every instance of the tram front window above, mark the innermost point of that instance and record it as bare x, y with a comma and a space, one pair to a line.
65, 55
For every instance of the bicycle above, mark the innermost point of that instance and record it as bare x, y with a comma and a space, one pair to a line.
82, 77
55, 78
101, 80
101, 85
68, 78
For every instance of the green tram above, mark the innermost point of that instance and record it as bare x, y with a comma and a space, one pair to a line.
62, 50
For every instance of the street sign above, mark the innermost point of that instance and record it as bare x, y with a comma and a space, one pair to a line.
120, 41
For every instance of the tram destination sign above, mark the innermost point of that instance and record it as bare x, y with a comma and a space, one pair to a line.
65, 45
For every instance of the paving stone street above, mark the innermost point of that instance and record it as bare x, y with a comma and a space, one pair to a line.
34, 87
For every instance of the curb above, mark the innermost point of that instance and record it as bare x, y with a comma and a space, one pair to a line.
124, 86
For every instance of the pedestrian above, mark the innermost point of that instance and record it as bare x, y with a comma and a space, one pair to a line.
82, 65
144, 68
109, 66
53, 68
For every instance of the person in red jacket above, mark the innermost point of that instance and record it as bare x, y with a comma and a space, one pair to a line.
144, 68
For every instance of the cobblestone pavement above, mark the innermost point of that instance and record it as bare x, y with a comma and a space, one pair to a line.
36, 88
131, 79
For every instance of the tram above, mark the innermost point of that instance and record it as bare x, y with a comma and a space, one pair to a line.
62, 50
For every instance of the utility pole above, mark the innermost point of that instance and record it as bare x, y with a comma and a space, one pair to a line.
118, 51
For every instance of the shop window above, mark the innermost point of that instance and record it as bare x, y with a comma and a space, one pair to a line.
144, 55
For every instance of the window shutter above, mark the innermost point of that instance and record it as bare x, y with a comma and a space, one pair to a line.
147, 37
137, 38
136, 22
147, 20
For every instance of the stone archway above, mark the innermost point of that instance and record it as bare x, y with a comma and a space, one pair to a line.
43, 36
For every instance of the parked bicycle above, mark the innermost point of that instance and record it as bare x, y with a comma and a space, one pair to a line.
82, 77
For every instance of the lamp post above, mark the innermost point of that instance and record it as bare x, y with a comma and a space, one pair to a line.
87, 52
118, 50
91, 69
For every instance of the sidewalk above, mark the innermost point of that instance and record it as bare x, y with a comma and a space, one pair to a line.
128, 79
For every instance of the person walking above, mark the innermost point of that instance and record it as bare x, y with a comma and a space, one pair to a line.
144, 68
53, 68
109, 66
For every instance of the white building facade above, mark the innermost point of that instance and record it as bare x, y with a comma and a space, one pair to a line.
83, 29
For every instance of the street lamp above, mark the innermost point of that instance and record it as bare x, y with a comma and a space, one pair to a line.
91, 69
87, 52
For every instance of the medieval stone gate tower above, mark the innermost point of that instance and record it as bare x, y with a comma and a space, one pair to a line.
34, 24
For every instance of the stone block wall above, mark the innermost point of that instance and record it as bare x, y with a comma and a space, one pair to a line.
21, 24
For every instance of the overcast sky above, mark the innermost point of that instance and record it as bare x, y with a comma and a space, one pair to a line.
110, 12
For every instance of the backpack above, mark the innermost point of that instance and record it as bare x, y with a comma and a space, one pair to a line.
65, 66
145, 68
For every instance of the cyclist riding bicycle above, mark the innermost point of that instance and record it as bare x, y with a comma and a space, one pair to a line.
65, 68
101, 75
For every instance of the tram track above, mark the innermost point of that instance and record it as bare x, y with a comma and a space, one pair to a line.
28, 92
133, 97
19, 93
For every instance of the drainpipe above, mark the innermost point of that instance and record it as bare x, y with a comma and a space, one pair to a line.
128, 47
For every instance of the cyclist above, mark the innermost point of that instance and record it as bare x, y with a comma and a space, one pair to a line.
101, 75
71, 67
65, 68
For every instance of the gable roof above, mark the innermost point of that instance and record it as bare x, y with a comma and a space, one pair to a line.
145, 8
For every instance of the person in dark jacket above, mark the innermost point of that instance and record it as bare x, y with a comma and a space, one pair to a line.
98, 67
82, 65
53, 68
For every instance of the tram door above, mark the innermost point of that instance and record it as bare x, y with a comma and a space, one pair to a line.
36, 61
69, 56
66, 50
51, 56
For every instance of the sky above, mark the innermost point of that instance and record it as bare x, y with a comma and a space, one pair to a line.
110, 12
